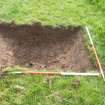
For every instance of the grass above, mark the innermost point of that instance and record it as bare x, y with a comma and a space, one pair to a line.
52, 12
34, 90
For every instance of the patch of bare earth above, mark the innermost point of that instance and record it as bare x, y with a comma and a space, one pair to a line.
43, 47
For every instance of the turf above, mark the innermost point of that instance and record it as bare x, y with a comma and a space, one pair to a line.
52, 12
34, 90
65, 90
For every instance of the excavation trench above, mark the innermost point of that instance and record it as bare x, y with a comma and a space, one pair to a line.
43, 47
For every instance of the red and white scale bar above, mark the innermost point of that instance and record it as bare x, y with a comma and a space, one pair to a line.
57, 73
95, 52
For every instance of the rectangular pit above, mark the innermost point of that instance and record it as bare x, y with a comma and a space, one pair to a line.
44, 47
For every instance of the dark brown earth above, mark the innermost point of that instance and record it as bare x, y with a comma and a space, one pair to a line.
41, 47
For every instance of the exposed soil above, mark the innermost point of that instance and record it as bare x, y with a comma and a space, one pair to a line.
43, 47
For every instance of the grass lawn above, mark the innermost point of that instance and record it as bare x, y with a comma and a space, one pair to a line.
33, 90
50, 12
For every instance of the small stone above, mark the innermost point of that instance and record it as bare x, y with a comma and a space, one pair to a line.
10, 53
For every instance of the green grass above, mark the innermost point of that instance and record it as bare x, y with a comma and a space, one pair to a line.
34, 90
52, 12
